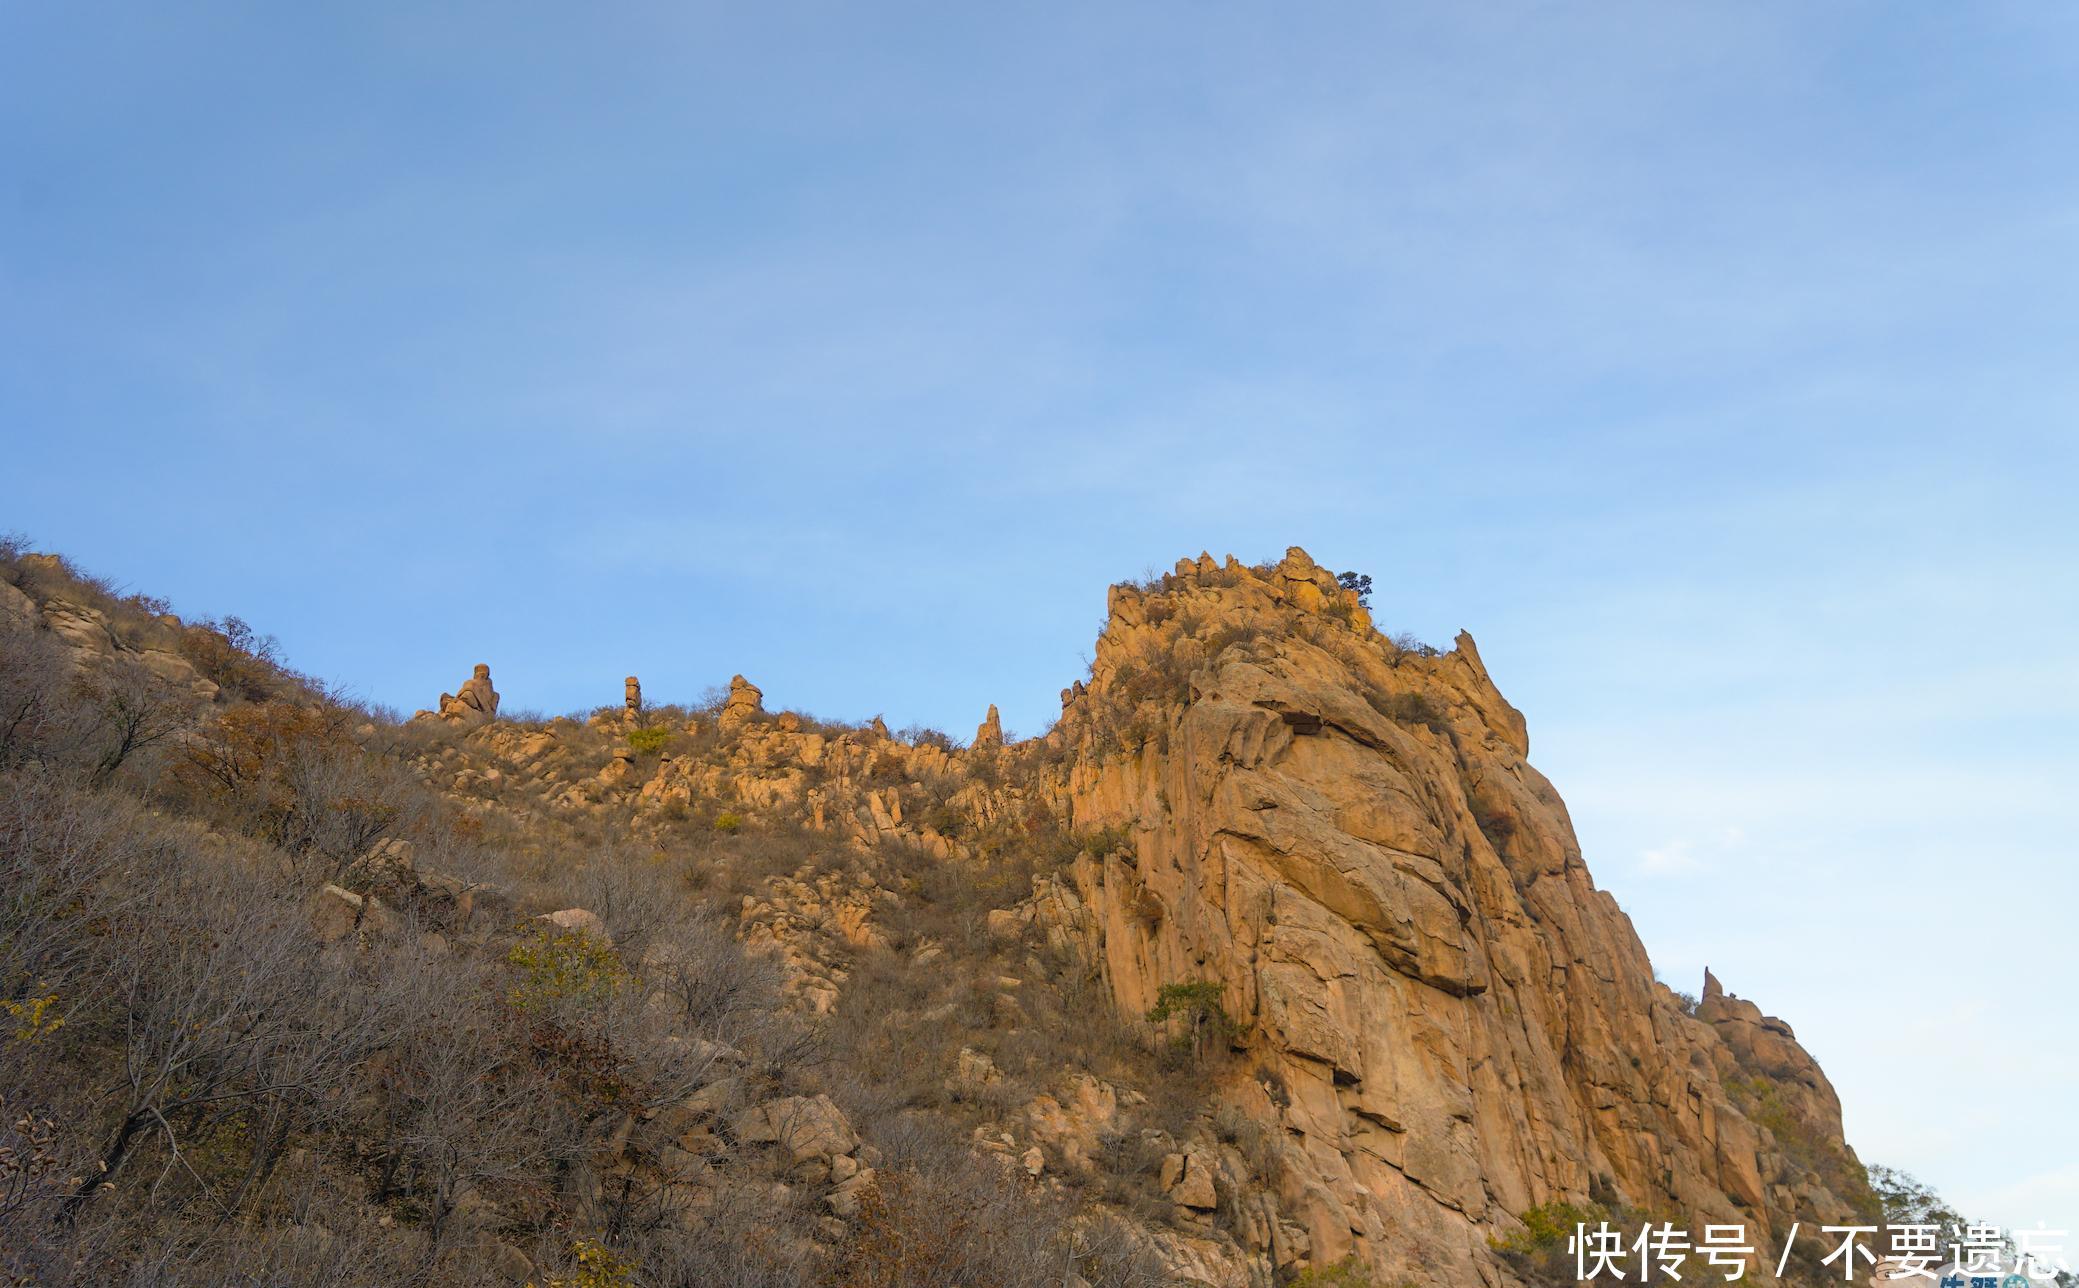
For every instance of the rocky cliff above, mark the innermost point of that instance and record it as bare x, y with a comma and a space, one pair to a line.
1403, 1017
1449, 1021
1422, 989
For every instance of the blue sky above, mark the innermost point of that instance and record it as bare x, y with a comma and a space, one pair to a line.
1716, 365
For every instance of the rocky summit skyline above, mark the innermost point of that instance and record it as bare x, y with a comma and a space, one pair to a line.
1272, 961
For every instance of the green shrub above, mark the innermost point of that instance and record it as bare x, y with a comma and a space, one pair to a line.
1346, 1273
1547, 1227
1197, 1005
729, 823
646, 741
557, 965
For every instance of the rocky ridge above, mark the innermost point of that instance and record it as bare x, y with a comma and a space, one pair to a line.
1430, 1022
1447, 1022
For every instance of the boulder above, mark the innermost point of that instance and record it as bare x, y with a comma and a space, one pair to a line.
582, 920
178, 672
744, 704
18, 608
1194, 1188
334, 913
843, 1199
476, 704
811, 1127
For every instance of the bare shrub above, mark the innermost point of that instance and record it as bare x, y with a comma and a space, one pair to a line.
41, 722
939, 1217
222, 1009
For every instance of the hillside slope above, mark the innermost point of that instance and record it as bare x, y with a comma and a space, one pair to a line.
1275, 954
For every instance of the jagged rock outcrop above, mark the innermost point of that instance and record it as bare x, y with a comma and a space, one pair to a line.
476, 703
1448, 1019
631, 699
745, 703
97, 646
989, 734
1441, 1019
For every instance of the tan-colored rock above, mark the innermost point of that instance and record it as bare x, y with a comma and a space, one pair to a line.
16, 607
1447, 1021
810, 1127
989, 734
843, 1199
631, 699
581, 920
1194, 1188
619, 770
744, 704
975, 1069
178, 672
752, 1126
474, 705
84, 628
334, 913
1439, 1021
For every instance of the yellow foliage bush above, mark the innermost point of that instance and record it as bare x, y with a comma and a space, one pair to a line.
33, 1018
598, 1266
557, 965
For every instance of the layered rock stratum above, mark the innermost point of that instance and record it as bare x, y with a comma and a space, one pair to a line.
1448, 1020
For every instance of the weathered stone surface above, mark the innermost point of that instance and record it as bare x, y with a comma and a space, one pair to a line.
1440, 1021
16, 607
1346, 836
177, 671
989, 734
334, 913
811, 1127
1194, 1186
582, 920
476, 703
85, 629
744, 704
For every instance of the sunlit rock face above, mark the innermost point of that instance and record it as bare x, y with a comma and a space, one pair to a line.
1451, 1024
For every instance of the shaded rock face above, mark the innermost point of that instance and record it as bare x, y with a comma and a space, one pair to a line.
1448, 1019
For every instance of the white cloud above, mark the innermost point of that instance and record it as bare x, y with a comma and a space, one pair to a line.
1682, 856
1676, 856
